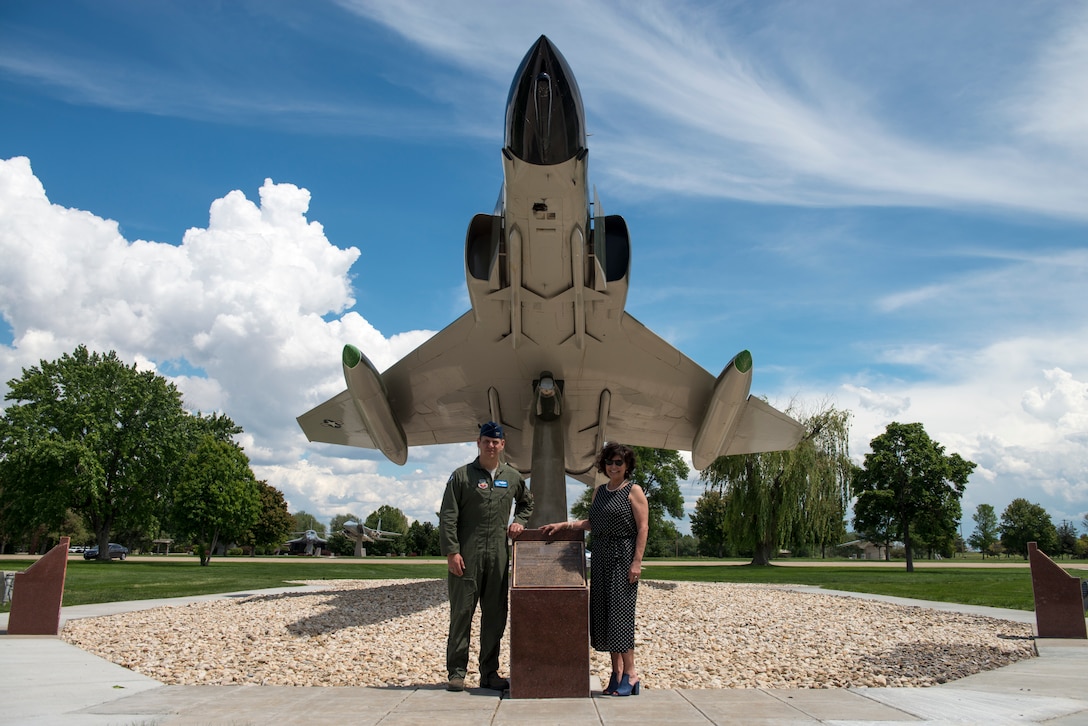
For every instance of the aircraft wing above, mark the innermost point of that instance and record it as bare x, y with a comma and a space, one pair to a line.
624, 384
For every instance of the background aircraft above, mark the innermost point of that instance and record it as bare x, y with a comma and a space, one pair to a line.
547, 349
308, 543
360, 533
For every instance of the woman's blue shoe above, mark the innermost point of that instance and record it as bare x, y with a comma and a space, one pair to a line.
626, 688
612, 683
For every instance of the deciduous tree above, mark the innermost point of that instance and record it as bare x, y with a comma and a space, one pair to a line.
274, 522
1067, 538
908, 478
423, 539
216, 497
708, 523
1023, 522
389, 519
986, 533
89, 433
305, 521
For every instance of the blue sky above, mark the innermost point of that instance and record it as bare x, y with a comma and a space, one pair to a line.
887, 203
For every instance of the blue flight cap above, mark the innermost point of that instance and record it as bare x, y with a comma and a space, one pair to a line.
491, 430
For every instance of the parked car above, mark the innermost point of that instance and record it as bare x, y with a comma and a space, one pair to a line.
117, 552
76, 549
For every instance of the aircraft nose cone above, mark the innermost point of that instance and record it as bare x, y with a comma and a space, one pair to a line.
545, 122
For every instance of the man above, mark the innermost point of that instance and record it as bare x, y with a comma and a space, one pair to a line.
473, 532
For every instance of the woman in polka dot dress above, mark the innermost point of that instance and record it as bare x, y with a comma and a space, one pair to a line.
619, 520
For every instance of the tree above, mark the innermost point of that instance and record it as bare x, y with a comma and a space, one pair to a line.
659, 473
305, 521
389, 519
1024, 522
1067, 538
339, 543
708, 523
986, 533
274, 522
874, 520
774, 498
216, 497
93, 435
907, 478
423, 539
1080, 550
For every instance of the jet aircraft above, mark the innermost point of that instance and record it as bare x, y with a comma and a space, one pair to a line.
308, 543
360, 533
547, 349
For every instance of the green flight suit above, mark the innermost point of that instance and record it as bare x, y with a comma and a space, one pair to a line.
473, 521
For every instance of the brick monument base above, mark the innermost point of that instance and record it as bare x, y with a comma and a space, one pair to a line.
549, 617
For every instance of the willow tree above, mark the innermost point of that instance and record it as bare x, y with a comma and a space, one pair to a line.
777, 497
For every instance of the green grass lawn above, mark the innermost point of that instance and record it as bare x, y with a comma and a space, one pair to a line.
1006, 587
149, 578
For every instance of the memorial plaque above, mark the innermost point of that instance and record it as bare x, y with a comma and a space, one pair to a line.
549, 564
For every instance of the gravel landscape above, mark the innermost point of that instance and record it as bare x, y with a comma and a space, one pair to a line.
689, 635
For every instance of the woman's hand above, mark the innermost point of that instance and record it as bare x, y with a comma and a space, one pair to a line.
554, 527
635, 572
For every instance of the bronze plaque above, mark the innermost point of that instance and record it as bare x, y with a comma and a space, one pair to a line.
549, 564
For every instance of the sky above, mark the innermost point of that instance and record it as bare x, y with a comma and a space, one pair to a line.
886, 203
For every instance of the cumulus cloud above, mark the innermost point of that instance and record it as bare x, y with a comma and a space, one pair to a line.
1062, 402
246, 316
885, 403
1024, 425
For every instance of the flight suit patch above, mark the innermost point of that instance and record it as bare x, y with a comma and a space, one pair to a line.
482, 484
501, 484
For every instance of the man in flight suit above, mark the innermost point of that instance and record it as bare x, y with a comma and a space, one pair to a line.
473, 532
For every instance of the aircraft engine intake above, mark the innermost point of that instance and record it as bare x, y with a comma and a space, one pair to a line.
372, 402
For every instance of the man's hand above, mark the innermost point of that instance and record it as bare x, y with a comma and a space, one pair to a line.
455, 564
514, 530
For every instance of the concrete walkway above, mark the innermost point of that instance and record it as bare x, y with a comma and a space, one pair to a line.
44, 680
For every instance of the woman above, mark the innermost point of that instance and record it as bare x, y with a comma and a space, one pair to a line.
619, 520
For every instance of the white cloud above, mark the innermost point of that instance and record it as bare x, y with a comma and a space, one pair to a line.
797, 120
1053, 105
1024, 424
241, 301
888, 405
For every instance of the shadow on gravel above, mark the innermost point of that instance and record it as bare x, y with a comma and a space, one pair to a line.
941, 662
363, 606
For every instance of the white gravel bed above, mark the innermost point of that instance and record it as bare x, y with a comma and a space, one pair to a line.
689, 635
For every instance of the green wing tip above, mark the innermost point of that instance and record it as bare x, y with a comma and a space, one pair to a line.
743, 361
352, 356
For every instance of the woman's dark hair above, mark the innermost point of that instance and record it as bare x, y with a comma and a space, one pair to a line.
611, 451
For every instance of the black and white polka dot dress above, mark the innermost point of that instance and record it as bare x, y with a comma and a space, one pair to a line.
612, 598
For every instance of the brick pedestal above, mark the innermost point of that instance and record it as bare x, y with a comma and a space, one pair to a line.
549, 617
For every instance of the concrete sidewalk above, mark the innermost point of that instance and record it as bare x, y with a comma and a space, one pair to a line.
44, 680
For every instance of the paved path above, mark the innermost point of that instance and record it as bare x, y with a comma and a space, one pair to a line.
44, 680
